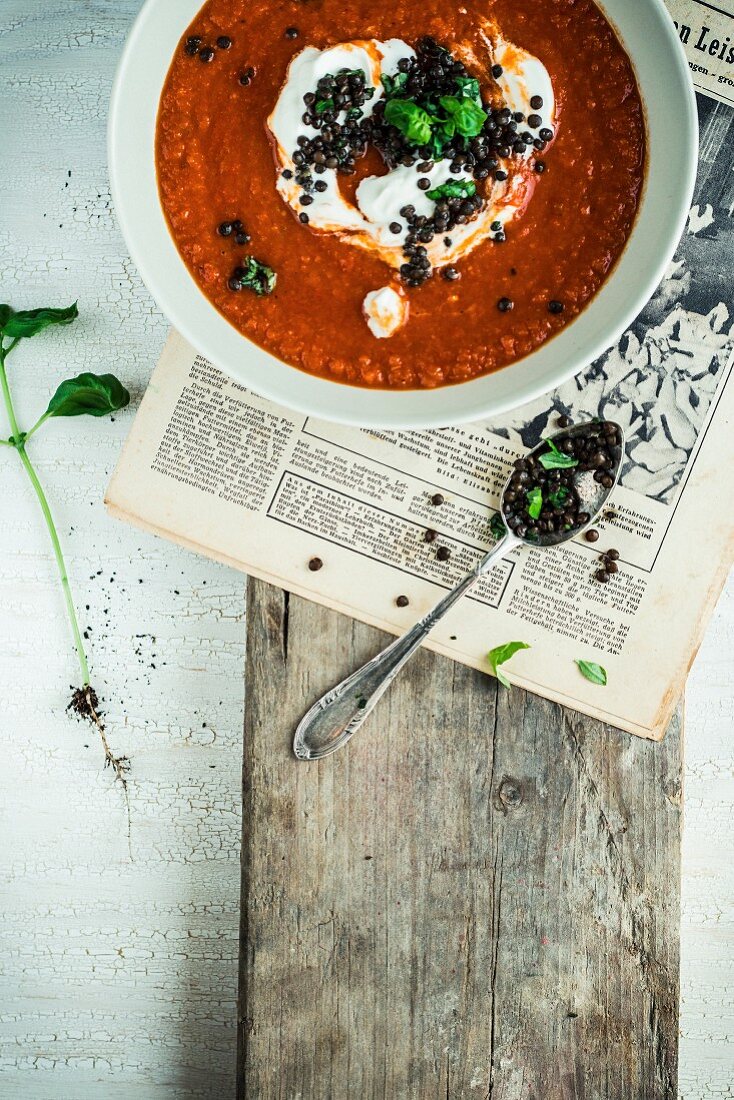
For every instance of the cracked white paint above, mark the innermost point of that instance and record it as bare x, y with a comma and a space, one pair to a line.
117, 974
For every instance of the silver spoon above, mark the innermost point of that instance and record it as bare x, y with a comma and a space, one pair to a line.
338, 714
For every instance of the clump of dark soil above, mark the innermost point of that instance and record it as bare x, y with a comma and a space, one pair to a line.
84, 704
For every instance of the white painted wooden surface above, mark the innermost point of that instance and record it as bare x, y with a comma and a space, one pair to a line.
117, 977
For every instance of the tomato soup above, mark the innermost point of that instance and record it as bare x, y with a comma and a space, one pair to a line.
400, 195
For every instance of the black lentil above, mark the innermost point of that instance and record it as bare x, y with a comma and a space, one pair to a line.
402, 601
315, 564
555, 306
224, 229
540, 167
291, 32
602, 576
430, 535
191, 46
536, 102
451, 274
612, 555
206, 54
245, 78
224, 42
443, 553
504, 305
592, 535
438, 499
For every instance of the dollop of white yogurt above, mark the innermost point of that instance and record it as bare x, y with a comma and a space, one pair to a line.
385, 311
367, 222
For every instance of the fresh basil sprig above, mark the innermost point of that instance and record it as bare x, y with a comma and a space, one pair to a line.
257, 276
468, 86
555, 459
596, 673
87, 394
18, 324
453, 189
535, 502
497, 526
559, 496
410, 119
394, 85
466, 115
500, 655
430, 123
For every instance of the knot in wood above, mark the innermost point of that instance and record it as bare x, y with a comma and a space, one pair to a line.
510, 792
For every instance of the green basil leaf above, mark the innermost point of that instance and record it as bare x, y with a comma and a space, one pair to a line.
468, 86
256, 276
27, 322
593, 672
555, 459
443, 132
559, 496
6, 312
88, 395
394, 85
410, 119
535, 502
468, 117
453, 189
502, 653
497, 526
322, 105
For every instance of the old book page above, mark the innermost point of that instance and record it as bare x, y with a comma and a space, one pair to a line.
226, 473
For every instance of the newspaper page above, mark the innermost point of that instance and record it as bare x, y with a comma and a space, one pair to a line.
222, 471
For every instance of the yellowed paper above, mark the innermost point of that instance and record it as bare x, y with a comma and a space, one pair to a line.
706, 29
226, 473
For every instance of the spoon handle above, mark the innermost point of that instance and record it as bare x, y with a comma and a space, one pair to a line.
339, 713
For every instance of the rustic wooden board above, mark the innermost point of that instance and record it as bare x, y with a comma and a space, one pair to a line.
478, 897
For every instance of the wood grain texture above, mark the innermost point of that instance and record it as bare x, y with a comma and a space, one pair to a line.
479, 896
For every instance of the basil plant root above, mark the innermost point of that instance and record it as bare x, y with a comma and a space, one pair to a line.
86, 395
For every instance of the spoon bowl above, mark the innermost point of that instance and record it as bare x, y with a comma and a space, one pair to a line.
599, 439
592, 450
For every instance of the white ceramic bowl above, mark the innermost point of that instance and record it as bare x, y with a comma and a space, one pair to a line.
647, 32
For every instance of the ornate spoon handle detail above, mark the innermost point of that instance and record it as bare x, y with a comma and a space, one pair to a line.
338, 714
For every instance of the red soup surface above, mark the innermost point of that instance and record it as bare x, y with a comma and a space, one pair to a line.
217, 163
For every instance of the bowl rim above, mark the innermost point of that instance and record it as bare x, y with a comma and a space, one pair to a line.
213, 336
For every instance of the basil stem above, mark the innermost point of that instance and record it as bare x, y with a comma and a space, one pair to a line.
18, 440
